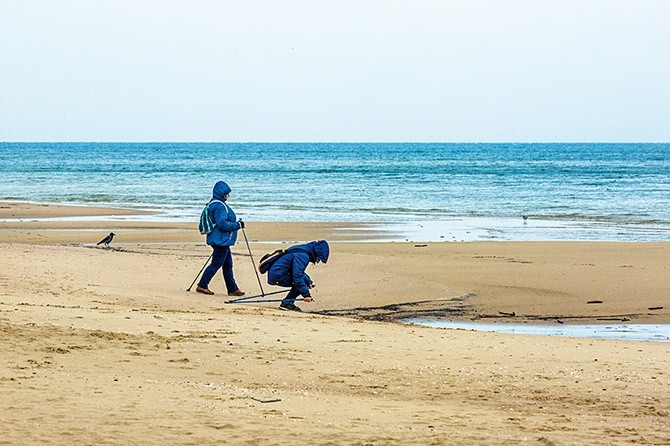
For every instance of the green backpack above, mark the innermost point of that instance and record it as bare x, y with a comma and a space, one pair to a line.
207, 223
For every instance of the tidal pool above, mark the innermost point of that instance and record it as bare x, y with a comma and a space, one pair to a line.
629, 332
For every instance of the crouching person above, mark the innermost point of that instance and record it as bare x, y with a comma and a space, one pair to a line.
289, 271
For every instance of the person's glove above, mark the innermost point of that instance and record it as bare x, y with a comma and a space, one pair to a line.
241, 224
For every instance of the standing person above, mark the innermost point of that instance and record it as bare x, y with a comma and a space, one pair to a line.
221, 239
289, 271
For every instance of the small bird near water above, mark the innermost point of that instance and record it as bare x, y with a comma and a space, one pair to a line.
107, 240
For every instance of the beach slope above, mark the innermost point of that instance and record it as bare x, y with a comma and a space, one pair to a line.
106, 346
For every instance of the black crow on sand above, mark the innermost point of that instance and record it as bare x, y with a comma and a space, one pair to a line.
107, 240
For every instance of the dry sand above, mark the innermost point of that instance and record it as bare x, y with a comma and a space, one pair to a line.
105, 346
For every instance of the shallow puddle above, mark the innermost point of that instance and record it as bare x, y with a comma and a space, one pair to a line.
630, 332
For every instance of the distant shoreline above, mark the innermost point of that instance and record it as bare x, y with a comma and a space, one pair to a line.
83, 223
14, 214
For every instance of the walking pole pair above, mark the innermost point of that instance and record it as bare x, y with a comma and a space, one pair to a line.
247, 299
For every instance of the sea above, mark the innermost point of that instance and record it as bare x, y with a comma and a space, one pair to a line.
417, 191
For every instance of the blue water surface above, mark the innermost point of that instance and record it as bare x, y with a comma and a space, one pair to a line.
614, 191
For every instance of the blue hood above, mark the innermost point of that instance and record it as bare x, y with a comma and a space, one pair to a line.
322, 250
318, 251
315, 250
221, 189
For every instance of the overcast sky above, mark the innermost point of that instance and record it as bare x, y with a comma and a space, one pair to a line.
310, 70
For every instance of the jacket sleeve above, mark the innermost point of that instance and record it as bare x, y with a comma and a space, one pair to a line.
221, 218
300, 262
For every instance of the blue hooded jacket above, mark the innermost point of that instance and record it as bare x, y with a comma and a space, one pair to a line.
289, 269
225, 233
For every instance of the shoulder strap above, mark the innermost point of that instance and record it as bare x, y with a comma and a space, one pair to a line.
225, 206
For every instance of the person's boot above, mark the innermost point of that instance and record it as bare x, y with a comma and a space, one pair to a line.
203, 290
237, 293
289, 307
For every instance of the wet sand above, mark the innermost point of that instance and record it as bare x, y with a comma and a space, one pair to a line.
106, 346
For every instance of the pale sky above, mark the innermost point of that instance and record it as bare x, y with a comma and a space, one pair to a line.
340, 71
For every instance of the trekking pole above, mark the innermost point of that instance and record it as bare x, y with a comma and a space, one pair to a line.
255, 301
203, 268
252, 261
247, 299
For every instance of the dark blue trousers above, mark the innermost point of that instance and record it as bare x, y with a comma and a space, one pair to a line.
221, 258
293, 293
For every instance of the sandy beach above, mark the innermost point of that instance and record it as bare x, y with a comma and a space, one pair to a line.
106, 346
